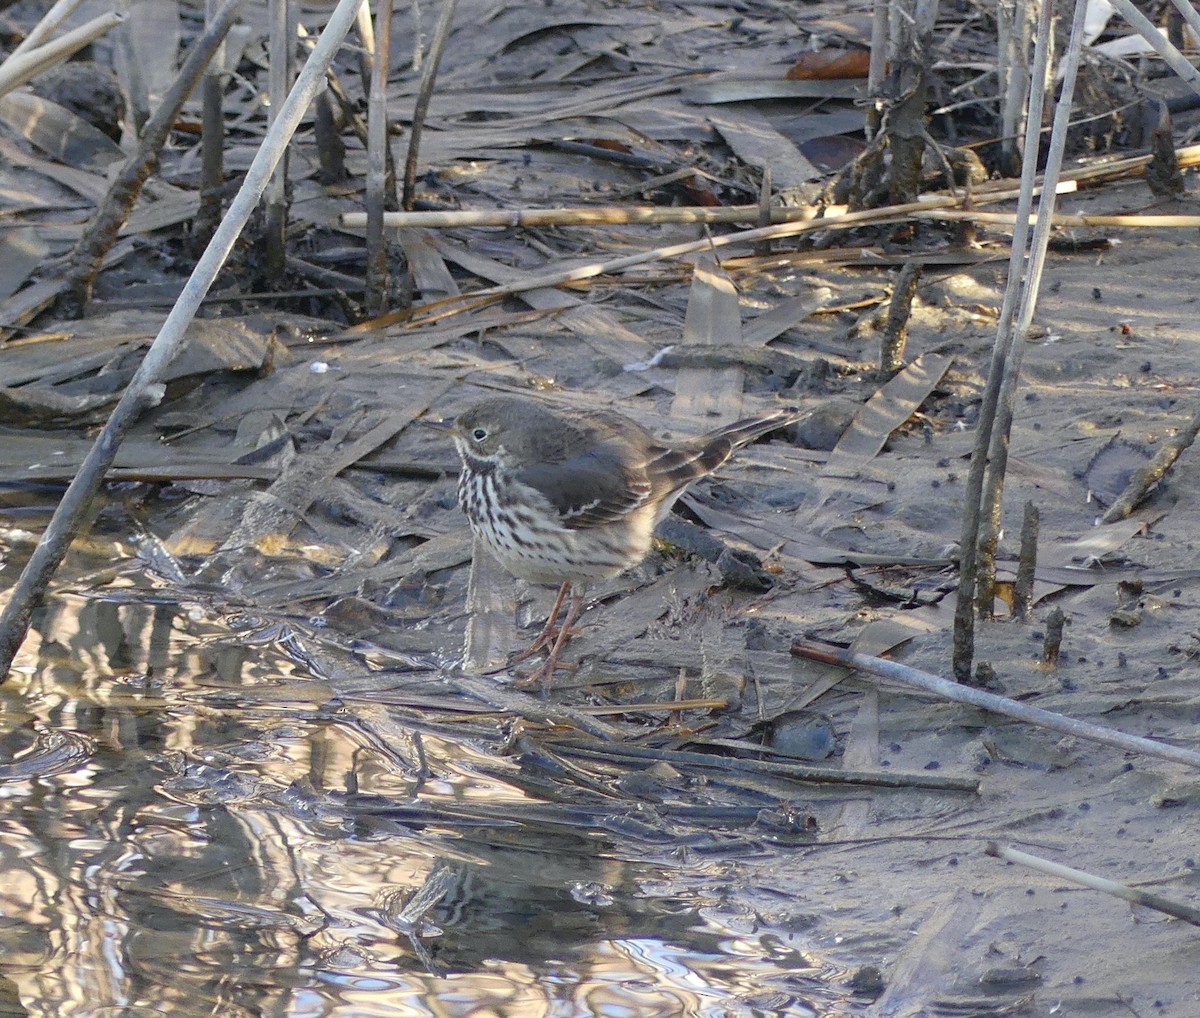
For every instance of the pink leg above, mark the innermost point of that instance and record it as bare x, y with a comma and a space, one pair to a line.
546, 672
550, 631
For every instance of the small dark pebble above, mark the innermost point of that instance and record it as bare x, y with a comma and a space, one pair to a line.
868, 980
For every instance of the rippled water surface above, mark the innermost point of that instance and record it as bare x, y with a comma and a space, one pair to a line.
195, 824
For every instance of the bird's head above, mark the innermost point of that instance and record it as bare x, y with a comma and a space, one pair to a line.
496, 430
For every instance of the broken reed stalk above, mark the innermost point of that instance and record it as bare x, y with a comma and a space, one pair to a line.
145, 387
578, 273
421, 107
88, 255
895, 330
1157, 902
1146, 477
1026, 564
967, 599
212, 137
912, 678
281, 47
1056, 623
378, 277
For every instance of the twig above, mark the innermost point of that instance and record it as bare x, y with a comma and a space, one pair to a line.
615, 215
122, 195
421, 107
795, 772
959, 693
1131, 894
1146, 477
145, 387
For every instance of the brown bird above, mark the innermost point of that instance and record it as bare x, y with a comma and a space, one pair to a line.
572, 497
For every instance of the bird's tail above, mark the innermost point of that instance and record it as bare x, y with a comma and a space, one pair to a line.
745, 431
674, 468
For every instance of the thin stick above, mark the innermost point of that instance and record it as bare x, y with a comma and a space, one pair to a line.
914, 679
212, 136
1131, 894
144, 386
377, 144
1146, 477
606, 216
421, 107
932, 207
282, 66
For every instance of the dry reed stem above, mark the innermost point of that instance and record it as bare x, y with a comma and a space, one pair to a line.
23, 67
955, 692
1178, 909
378, 277
42, 31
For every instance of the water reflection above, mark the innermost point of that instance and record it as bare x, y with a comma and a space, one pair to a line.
190, 824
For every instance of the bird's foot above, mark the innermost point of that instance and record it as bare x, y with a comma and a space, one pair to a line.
542, 676
548, 637
545, 641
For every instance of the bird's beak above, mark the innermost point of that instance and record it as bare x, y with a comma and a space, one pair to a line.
444, 426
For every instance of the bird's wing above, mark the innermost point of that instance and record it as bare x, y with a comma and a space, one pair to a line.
589, 489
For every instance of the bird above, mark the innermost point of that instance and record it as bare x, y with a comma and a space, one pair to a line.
572, 497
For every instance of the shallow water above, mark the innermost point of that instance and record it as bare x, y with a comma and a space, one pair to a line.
192, 823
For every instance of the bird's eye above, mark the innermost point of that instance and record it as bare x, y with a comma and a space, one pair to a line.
479, 434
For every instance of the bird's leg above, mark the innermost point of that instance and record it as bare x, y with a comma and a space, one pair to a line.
550, 632
546, 672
